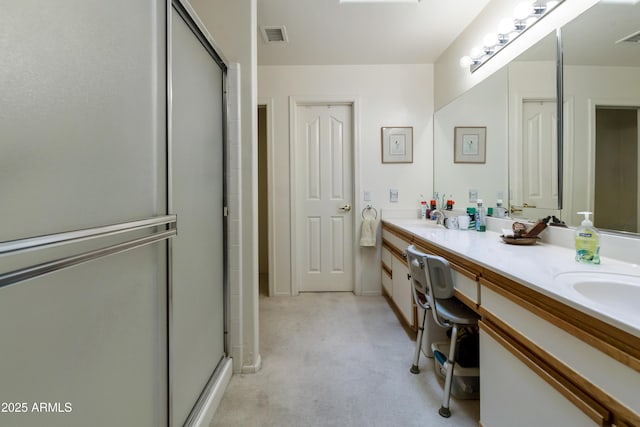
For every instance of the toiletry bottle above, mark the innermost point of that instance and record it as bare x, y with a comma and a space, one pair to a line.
423, 209
472, 218
499, 209
481, 224
587, 241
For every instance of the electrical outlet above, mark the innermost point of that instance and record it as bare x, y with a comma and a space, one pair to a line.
393, 196
367, 195
473, 196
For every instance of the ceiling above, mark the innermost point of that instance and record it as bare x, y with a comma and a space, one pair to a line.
325, 32
591, 39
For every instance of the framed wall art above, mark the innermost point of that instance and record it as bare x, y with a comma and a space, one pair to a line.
470, 144
397, 144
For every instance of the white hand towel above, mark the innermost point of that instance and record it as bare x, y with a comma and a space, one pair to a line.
368, 232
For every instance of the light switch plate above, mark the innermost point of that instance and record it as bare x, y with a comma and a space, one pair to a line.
367, 195
393, 196
473, 196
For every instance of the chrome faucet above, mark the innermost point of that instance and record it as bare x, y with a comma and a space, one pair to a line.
439, 216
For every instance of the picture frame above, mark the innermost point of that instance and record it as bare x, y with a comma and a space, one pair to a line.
470, 144
397, 144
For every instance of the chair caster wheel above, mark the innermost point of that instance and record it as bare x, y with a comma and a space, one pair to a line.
444, 412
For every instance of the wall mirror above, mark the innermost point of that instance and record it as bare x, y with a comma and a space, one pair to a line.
483, 106
534, 171
518, 106
602, 102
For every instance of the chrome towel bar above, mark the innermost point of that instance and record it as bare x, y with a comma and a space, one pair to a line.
84, 234
22, 274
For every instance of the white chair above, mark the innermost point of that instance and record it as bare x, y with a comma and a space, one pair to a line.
433, 291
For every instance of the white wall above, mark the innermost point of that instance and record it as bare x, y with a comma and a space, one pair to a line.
484, 105
233, 26
387, 95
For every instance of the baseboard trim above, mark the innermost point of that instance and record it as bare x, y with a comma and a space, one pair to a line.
215, 392
371, 293
252, 369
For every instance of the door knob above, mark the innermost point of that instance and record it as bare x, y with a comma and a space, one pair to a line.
346, 208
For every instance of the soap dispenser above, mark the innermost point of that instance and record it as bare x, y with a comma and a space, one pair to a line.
587, 241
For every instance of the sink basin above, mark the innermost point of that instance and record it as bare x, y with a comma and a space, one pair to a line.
615, 291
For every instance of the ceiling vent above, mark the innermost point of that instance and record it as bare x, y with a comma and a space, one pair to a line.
632, 38
274, 34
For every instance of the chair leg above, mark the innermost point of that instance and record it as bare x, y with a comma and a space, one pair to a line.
415, 369
449, 365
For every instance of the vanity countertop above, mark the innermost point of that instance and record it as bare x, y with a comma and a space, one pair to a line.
539, 267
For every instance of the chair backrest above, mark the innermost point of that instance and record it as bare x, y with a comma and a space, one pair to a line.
431, 276
416, 262
440, 277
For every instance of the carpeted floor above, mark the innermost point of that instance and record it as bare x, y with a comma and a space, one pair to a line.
334, 359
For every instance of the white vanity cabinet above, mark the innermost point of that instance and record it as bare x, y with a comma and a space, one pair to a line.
402, 292
396, 284
511, 393
546, 363
543, 359
387, 281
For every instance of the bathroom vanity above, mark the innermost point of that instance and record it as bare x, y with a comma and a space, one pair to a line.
553, 349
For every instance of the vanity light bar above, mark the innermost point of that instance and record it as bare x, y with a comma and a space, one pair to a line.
525, 15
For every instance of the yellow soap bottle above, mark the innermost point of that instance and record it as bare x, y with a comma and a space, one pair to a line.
587, 241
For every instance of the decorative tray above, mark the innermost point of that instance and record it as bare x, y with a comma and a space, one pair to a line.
519, 240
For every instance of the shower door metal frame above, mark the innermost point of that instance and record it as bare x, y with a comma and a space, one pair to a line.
186, 12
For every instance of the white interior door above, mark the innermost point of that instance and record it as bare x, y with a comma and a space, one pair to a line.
323, 252
540, 157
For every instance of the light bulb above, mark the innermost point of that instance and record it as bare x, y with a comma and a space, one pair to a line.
505, 26
490, 40
476, 53
466, 61
523, 10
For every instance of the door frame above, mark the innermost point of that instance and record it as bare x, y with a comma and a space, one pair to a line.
515, 141
323, 100
268, 103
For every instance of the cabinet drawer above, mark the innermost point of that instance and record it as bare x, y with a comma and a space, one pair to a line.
395, 241
466, 286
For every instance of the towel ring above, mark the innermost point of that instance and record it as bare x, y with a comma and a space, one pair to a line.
369, 208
